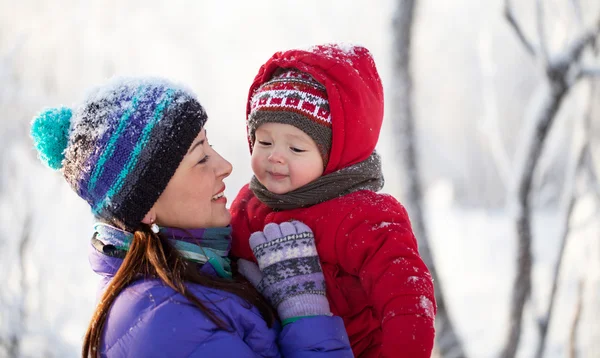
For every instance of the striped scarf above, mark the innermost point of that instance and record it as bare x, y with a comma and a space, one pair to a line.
365, 175
200, 246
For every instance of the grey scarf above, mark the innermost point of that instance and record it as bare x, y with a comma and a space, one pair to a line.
365, 175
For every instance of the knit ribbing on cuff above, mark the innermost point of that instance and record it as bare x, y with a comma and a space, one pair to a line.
303, 305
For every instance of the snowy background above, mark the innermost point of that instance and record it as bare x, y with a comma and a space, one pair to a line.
472, 78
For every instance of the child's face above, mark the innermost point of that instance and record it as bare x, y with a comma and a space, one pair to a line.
284, 158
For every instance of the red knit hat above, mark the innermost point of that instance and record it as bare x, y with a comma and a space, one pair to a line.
295, 98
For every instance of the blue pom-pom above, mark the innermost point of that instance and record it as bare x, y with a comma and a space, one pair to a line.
50, 133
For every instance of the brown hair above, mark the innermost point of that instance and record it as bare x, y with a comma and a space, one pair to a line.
151, 256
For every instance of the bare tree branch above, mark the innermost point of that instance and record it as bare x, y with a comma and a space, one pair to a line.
590, 71
592, 174
448, 344
573, 51
531, 148
541, 30
557, 72
567, 205
577, 10
510, 17
24, 240
575, 322
595, 189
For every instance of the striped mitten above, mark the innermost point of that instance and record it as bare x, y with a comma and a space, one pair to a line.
289, 274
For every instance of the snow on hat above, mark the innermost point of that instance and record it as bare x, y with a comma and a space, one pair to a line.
295, 98
121, 146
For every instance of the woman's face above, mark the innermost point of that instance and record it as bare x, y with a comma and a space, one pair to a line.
194, 197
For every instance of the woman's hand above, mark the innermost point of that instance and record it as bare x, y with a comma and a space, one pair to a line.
288, 274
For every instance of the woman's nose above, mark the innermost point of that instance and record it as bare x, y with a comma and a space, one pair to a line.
224, 168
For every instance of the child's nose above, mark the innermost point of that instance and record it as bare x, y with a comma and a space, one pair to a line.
276, 156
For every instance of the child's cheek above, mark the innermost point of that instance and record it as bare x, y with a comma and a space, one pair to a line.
255, 162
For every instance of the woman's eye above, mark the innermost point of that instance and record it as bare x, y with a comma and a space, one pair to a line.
203, 160
297, 150
262, 142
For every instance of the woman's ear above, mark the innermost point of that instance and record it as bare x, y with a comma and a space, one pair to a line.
150, 217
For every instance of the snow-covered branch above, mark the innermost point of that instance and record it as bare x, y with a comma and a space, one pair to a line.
590, 71
558, 69
582, 147
577, 10
572, 53
575, 322
541, 31
519, 203
593, 177
448, 344
512, 20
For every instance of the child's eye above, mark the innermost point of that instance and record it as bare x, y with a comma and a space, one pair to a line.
262, 142
203, 160
297, 150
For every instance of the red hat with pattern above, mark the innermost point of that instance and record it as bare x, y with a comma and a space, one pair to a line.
295, 98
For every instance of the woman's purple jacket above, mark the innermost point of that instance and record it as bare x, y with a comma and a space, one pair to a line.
149, 319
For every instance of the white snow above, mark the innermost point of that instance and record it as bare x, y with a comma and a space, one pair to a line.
382, 225
427, 305
336, 51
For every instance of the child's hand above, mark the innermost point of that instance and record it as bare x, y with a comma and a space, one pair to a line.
289, 274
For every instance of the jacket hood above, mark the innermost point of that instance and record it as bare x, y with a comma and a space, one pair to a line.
354, 91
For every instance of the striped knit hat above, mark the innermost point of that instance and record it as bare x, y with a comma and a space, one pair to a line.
121, 146
295, 98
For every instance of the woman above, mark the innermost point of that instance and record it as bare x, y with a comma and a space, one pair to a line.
137, 152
